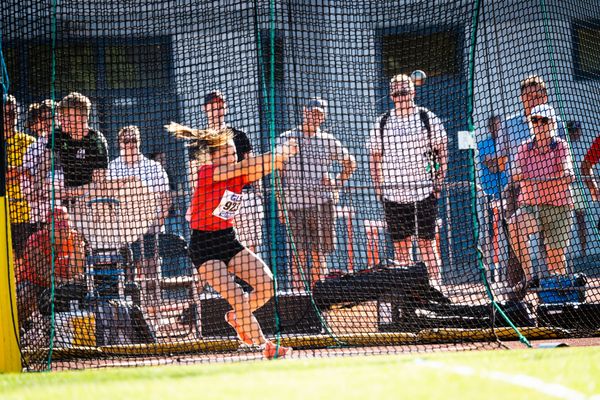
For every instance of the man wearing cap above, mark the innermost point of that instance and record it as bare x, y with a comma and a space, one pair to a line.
544, 170
408, 155
310, 191
250, 218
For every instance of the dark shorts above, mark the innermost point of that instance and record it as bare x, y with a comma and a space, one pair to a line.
400, 218
213, 245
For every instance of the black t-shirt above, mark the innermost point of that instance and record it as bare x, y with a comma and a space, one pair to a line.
79, 158
242, 143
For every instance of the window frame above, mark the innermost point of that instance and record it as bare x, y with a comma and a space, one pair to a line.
579, 74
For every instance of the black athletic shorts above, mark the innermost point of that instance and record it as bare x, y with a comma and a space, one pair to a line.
213, 245
400, 218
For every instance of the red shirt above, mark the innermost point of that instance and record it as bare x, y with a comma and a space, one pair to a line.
207, 197
40, 274
593, 154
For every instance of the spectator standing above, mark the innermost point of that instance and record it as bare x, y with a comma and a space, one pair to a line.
310, 192
16, 146
408, 156
249, 223
577, 188
492, 170
39, 122
81, 152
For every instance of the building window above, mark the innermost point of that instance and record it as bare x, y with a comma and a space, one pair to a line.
138, 66
76, 68
436, 53
586, 49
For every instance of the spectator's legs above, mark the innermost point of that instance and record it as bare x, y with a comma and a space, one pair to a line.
581, 231
402, 250
299, 260
511, 195
556, 260
27, 298
496, 233
318, 267
431, 258
521, 226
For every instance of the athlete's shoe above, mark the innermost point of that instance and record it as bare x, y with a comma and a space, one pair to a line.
271, 350
231, 319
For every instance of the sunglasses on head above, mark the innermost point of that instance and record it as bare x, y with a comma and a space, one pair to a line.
540, 120
402, 92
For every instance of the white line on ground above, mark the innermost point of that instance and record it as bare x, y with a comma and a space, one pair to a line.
547, 388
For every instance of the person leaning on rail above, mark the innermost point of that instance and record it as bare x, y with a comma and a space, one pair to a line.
214, 248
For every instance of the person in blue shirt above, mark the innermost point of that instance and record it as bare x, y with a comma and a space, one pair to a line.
493, 179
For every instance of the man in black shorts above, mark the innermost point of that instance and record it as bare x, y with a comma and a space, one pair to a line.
408, 151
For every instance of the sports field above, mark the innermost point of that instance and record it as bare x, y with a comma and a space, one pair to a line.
561, 373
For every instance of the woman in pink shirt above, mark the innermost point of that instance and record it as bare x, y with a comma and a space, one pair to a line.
544, 171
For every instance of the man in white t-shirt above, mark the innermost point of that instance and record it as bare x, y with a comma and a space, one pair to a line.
408, 155
132, 164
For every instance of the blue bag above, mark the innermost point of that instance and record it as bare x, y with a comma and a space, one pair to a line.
558, 289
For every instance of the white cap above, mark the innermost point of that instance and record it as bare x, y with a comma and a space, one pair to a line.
544, 111
317, 103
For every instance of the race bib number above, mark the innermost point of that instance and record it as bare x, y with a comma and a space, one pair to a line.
229, 206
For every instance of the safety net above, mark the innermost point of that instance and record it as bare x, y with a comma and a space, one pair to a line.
197, 181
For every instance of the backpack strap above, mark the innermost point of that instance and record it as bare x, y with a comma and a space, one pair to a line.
425, 120
382, 122
433, 154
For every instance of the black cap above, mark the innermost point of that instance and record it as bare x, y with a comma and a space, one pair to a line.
214, 95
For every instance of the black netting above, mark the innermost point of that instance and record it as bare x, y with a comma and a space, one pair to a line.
333, 177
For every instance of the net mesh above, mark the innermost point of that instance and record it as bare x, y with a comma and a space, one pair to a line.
343, 177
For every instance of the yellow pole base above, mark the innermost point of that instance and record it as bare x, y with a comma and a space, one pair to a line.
10, 357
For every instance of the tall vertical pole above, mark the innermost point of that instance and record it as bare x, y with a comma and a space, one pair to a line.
10, 356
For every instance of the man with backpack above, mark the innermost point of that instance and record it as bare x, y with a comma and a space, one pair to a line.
408, 161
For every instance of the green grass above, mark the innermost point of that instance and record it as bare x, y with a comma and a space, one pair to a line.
468, 375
